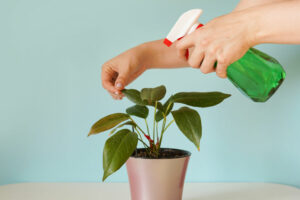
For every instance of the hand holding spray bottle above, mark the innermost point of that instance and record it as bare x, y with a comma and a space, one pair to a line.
256, 74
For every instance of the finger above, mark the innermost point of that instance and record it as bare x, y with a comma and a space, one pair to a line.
207, 65
120, 96
184, 44
108, 79
117, 96
183, 53
108, 85
196, 58
114, 96
122, 80
221, 68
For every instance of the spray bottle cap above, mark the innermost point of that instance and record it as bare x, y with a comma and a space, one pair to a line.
186, 24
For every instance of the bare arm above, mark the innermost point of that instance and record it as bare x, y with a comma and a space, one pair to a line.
161, 56
245, 4
277, 23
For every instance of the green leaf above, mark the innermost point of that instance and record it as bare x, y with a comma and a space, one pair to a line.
159, 116
200, 99
118, 148
139, 111
189, 123
134, 96
131, 123
167, 107
151, 95
108, 122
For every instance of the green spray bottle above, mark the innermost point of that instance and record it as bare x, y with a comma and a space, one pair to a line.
256, 74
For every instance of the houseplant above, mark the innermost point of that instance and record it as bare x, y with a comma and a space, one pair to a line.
154, 172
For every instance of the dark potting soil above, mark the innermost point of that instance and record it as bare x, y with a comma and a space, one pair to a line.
164, 153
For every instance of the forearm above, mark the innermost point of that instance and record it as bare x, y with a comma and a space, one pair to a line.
245, 4
275, 23
157, 55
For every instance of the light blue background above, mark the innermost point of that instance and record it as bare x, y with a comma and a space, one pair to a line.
50, 57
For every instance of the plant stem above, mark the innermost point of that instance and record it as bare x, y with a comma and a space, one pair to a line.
169, 125
162, 128
154, 120
145, 145
139, 134
164, 123
168, 107
147, 126
141, 139
157, 138
163, 131
137, 126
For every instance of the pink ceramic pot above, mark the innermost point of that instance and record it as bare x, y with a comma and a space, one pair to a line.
157, 179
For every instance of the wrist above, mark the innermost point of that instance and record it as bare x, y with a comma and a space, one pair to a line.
255, 31
145, 55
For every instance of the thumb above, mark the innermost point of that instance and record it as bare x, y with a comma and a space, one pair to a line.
122, 80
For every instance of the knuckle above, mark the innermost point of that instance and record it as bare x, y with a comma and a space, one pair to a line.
107, 66
204, 42
178, 46
212, 50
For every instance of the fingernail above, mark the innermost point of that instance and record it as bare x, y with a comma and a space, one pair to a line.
116, 93
119, 85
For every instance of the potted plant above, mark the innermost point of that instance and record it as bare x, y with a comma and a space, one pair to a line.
154, 172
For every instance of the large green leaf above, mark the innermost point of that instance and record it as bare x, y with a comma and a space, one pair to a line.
130, 123
189, 123
151, 95
166, 109
118, 148
134, 96
200, 99
108, 122
138, 110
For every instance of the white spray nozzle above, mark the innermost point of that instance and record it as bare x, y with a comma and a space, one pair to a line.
184, 25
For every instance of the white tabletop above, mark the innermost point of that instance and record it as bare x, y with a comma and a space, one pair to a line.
120, 191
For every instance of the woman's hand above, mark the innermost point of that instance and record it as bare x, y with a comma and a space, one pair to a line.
122, 70
118, 72
223, 40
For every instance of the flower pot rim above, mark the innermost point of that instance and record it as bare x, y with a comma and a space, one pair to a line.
184, 152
